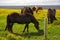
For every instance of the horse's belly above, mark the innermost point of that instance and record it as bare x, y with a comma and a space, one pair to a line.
23, 21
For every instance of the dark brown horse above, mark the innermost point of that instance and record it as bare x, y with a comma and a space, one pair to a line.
51, 15
26, 17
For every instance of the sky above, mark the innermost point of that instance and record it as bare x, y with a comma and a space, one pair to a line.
28, 2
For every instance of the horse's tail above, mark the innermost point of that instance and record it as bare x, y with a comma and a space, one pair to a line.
7, 23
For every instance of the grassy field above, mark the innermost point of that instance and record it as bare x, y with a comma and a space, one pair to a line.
53, 30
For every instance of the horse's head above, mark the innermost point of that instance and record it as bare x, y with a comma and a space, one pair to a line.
39, 8
33, 8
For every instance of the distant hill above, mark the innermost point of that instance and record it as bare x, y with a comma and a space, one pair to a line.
44, 6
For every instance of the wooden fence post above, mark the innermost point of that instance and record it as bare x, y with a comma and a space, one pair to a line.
45, 28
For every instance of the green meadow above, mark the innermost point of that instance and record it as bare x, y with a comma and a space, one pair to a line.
53, 30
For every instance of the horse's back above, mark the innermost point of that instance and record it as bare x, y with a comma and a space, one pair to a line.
17, 18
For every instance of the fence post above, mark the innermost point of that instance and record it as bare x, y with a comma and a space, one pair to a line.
45, 28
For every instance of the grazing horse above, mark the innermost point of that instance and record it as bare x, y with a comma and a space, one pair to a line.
21, 19
51, 15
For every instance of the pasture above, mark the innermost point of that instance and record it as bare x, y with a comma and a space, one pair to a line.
53, 30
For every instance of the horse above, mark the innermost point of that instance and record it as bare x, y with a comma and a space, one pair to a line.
21, 19
33, 8
26, 10
51, 15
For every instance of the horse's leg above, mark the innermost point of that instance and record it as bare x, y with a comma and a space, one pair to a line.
24, 29
9, 27
26, 26
51, 19
55, 18
6, 27
48, 20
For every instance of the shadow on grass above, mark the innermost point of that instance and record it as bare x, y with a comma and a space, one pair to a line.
1, 30
41, 32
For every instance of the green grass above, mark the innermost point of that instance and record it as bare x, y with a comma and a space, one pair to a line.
53, 30
17, 29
